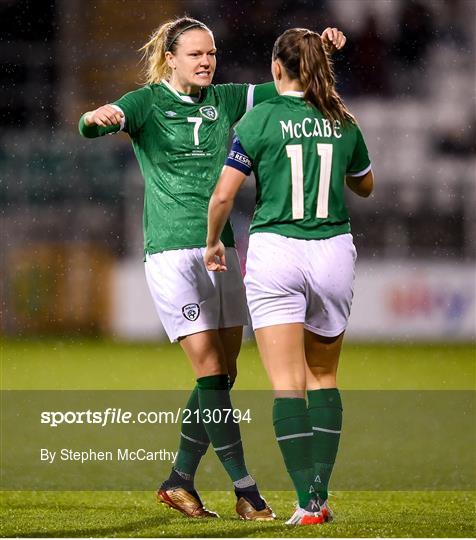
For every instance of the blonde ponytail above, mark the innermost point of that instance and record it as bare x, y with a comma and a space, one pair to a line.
156, 68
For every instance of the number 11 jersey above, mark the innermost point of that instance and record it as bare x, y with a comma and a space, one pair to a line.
300, 160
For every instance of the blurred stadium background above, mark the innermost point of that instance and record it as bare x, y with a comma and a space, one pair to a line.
71, 228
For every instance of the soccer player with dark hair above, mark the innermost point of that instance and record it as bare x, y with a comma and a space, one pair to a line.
179, 124
301, 257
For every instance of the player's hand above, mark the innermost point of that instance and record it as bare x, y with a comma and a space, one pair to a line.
333, 39
215, 258
104, 116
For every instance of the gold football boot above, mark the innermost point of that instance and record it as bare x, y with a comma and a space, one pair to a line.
185, 502
248, 512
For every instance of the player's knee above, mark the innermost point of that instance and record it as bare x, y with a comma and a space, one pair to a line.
209, 364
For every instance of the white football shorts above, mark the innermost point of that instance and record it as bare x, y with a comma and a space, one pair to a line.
189, 298
289, 280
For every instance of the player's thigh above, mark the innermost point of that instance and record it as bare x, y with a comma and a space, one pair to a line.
330, 272
184, 293
275, 284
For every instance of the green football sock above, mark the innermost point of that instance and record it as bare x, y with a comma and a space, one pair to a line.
294, 436
217, 417
325, 413
194, 440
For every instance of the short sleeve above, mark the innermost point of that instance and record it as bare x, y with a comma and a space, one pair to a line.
360, 161
263, 92
234, 98
136, 106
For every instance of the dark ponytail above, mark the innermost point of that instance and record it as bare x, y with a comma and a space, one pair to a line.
304, 57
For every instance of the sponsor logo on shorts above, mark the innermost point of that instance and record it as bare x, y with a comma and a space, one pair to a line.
191, 311
209, 112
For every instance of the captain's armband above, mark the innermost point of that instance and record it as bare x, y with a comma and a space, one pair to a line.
238, 158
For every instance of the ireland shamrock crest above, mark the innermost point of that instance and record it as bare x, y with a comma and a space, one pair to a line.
191, 311
209, 112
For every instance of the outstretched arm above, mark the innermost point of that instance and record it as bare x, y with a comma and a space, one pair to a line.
128, 113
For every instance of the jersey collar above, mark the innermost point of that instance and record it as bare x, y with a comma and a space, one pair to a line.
293, 93
186, 99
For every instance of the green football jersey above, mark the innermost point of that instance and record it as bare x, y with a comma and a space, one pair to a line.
180, 144
300, 160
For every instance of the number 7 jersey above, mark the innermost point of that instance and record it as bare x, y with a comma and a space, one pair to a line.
300, 160
180, 144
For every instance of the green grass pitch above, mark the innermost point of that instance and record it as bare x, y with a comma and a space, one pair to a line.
79, 364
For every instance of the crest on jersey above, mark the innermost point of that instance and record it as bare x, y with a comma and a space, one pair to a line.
209, 112
191, 312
